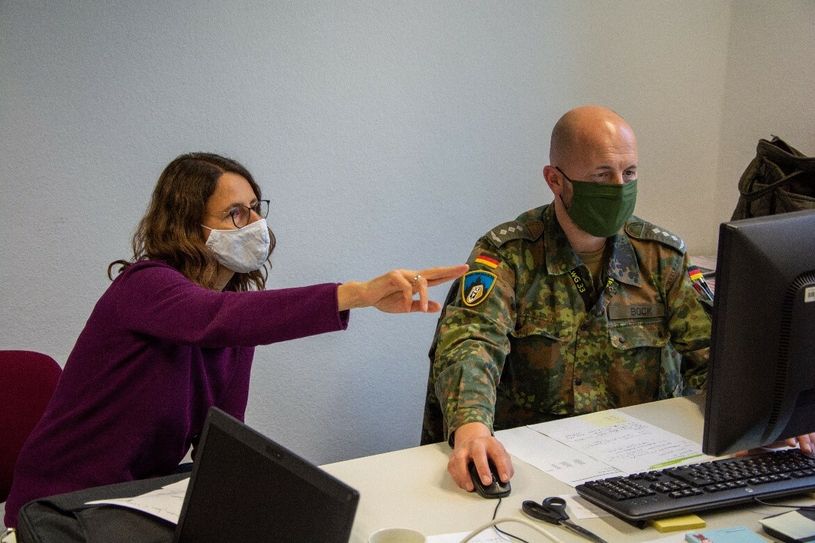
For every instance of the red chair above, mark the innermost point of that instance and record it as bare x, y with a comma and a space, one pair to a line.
27, 381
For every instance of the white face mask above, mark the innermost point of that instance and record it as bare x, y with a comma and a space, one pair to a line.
242, 250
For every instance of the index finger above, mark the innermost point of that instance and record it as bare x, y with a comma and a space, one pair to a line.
501, 460
442, 274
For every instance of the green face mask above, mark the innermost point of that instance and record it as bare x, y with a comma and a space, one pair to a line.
601, 209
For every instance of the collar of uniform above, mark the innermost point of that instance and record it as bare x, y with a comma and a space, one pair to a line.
560, 257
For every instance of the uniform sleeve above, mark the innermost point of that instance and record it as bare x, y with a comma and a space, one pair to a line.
160, 302
689, 325
472, 343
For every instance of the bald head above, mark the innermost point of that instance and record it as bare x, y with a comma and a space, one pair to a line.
585, 134
590, 144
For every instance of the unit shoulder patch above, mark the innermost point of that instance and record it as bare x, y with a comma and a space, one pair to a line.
476, 286
512, 230
640, 229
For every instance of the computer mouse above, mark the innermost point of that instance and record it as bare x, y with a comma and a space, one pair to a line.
496, 489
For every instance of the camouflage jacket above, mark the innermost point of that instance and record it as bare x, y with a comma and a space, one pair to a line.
525, 337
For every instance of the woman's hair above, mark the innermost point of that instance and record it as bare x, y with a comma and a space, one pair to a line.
171, 229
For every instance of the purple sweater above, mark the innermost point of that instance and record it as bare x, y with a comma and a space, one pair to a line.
156, 353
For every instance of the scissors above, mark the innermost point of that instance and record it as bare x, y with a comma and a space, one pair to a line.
553, 511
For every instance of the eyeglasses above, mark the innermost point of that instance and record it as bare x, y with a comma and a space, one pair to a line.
241, 215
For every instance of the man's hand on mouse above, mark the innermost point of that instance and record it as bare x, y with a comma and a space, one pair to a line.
474, 441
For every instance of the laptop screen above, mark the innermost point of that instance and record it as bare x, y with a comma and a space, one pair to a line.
245, 487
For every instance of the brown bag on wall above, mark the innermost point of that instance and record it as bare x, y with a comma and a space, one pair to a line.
778, 180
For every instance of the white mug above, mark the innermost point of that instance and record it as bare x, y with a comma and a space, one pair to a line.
396, 535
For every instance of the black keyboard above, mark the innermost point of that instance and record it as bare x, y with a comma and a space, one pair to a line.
701, 487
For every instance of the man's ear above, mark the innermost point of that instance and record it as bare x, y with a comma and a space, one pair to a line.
553, 179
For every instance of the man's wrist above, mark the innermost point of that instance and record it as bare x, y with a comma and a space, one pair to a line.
468, 431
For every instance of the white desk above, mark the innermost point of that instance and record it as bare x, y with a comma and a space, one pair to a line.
411, 489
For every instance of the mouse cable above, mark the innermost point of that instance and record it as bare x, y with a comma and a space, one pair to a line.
495, 522
499, 530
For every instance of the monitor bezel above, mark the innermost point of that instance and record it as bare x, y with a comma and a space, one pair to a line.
754, 396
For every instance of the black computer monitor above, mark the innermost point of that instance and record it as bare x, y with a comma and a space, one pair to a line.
761, 378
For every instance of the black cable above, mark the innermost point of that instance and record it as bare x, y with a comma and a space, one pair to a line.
499, 530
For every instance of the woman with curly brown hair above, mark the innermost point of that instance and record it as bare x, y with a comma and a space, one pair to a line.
175, 333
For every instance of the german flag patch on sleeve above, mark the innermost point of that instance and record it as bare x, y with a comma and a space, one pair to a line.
487, 261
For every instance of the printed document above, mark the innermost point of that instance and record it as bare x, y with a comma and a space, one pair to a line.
165, 502
599, 445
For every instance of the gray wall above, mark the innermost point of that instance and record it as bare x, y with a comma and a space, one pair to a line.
769, 87
386, 134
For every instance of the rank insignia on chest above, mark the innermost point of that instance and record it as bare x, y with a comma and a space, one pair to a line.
476, 286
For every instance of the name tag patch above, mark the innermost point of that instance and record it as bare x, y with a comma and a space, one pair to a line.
635, 311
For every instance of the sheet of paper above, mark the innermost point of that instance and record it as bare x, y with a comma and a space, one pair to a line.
164, 502
491, 536
562, 462
487, 536
678, 537
624, 442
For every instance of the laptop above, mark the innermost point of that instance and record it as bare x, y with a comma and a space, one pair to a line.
246, 487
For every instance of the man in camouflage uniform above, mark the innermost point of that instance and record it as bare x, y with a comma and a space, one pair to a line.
574, 307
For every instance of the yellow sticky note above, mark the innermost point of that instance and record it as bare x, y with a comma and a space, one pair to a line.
673, 524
